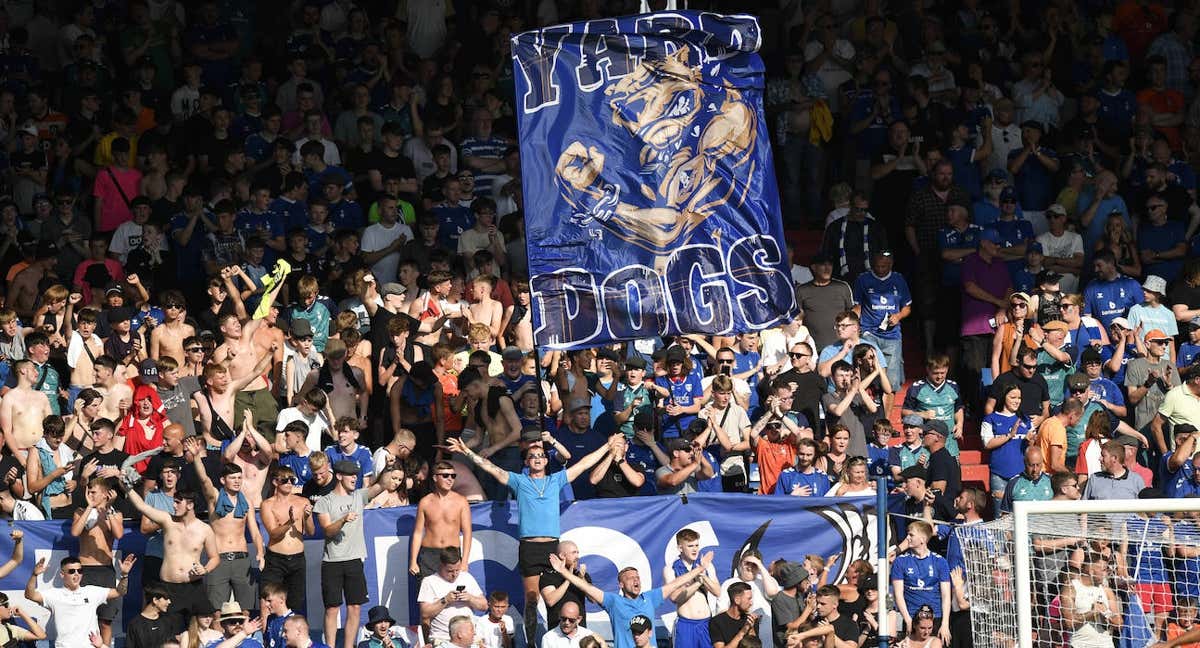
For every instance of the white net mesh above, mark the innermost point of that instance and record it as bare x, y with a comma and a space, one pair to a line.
1095, 578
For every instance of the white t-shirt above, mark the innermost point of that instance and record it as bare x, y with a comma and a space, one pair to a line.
379, 236
74, 613
1063, 247
488, 633
75, 348
316, 425
434, 587
556, 639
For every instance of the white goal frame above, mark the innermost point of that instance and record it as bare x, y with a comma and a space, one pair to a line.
1023, 543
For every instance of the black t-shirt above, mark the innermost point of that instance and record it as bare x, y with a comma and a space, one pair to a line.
554, 579
1178, 201
1034, 391
810, 386
112, 458
7, 463
28, 161
1185, 294
148, 633
399, 166
943, 466
722, 628
845, 628
313, 490
164, 209
614, 484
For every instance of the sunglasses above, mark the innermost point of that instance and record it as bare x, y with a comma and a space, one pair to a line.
567, 619
77, 570
799, 355
173, 306
195, 349
285, 480
536, 455
1029, 367
448, 475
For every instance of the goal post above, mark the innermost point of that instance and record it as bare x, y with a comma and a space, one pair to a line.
1112, 523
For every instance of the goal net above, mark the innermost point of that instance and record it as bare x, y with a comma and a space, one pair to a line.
1084, 574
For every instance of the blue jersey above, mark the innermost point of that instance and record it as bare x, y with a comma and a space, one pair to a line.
684, 393
1161, 238
743, 362
1095, 229
1012, 234
347, 214
537, 502
621, 611
952, 239
1188, 353
273, 632
299, 465
817, 480
1106, 354
1034, 182
359, 455
452, 222
966, 170
293, 213
1117, 111
879, 298
877, 460
1180, 483
1009, 459
1108, 300
1146, 538
1187, 570
922, 580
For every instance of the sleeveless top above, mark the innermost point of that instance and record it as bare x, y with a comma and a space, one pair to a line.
1049, 307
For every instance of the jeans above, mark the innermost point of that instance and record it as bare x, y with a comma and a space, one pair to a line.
893, 352
998, 485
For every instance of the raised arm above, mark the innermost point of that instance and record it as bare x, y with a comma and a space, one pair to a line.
31, 592
591, 591
579, 467
455, 444
685, 579
18, 553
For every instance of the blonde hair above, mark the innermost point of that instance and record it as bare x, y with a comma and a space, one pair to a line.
307, 287
7, 315
55, 293
479, 332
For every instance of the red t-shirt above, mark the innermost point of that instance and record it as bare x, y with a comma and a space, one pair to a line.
772, 459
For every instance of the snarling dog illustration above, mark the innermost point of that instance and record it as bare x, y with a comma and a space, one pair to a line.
697, 139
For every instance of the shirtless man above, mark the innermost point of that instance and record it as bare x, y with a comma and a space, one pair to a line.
253, 454
22, 410
231, 517
98, 526
493, 410
443, 516
114, 388
167, 339
22, 298
288, 518
240, 354
185, 539
82, 351
432, 307
692, 604
216, 401
346, 399
518, 319
483, 308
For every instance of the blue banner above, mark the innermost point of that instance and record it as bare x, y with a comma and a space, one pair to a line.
651, 206
611, 534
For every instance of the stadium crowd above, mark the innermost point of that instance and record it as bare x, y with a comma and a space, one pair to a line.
265, 264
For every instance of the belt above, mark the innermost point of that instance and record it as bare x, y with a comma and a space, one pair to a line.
234, 555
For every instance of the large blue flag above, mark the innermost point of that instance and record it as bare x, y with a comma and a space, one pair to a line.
650, 199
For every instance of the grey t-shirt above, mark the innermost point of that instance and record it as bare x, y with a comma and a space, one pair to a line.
177, 403
1136, 372
349, 543
684, 487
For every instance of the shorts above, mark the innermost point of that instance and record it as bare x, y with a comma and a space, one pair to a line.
429, 560
1156, 597
286, 570
262, 405
692, 633
533, 556
343, 581
102, 576
187, 600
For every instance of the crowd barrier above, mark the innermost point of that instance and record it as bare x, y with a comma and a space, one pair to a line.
611, 534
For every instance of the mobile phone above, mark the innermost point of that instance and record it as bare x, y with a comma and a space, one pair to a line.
460, 588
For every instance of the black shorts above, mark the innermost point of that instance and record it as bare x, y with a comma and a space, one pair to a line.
533, 556
101, 576
188, 599
286, 570
343, 581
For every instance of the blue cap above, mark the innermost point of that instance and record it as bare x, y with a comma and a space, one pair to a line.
997, 174
1033, 246
990, 234
1008, 193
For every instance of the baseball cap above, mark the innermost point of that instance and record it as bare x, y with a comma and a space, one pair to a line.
1156, 334
120, 314
935, 426
148, 371
1122, 322
676, 354
990, 235
513, 353
345, 467
679, 444
1184, 428
577, 404
997, 175
1090, 355
1008, 193
1033, 246
1033, 123
639, 624
1057, 209
1078, 382
914, 472
606, 354
635, 362
1048, 277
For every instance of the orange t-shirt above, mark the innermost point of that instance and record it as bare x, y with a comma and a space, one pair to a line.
1174, 631
1165, 101
1052, 432
772, 459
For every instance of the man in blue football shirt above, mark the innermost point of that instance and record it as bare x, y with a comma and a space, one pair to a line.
883, 302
